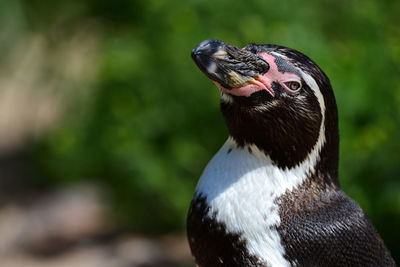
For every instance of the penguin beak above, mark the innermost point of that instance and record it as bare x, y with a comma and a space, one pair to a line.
229, 66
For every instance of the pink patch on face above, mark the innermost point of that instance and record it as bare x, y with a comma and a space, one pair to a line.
273, 74
265, 81
246, 90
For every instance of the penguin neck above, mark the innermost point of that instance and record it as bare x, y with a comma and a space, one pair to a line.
234, 163
315, 153
319, 167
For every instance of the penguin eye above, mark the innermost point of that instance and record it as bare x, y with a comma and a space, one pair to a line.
292, 86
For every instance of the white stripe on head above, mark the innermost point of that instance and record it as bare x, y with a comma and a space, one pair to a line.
314, 155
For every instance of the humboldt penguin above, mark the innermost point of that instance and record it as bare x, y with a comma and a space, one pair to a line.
271, 195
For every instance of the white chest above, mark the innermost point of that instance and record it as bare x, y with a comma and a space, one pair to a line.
241, 190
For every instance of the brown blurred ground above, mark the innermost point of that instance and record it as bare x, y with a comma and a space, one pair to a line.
73, 227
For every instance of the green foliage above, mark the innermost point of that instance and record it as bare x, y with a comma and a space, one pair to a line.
152, 121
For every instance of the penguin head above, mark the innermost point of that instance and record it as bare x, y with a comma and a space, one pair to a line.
273, 97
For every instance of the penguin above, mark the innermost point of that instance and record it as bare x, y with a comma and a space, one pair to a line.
271, 195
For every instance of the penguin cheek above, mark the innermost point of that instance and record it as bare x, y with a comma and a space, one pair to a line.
277, 87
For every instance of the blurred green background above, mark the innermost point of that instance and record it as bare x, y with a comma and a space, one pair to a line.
106, 92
